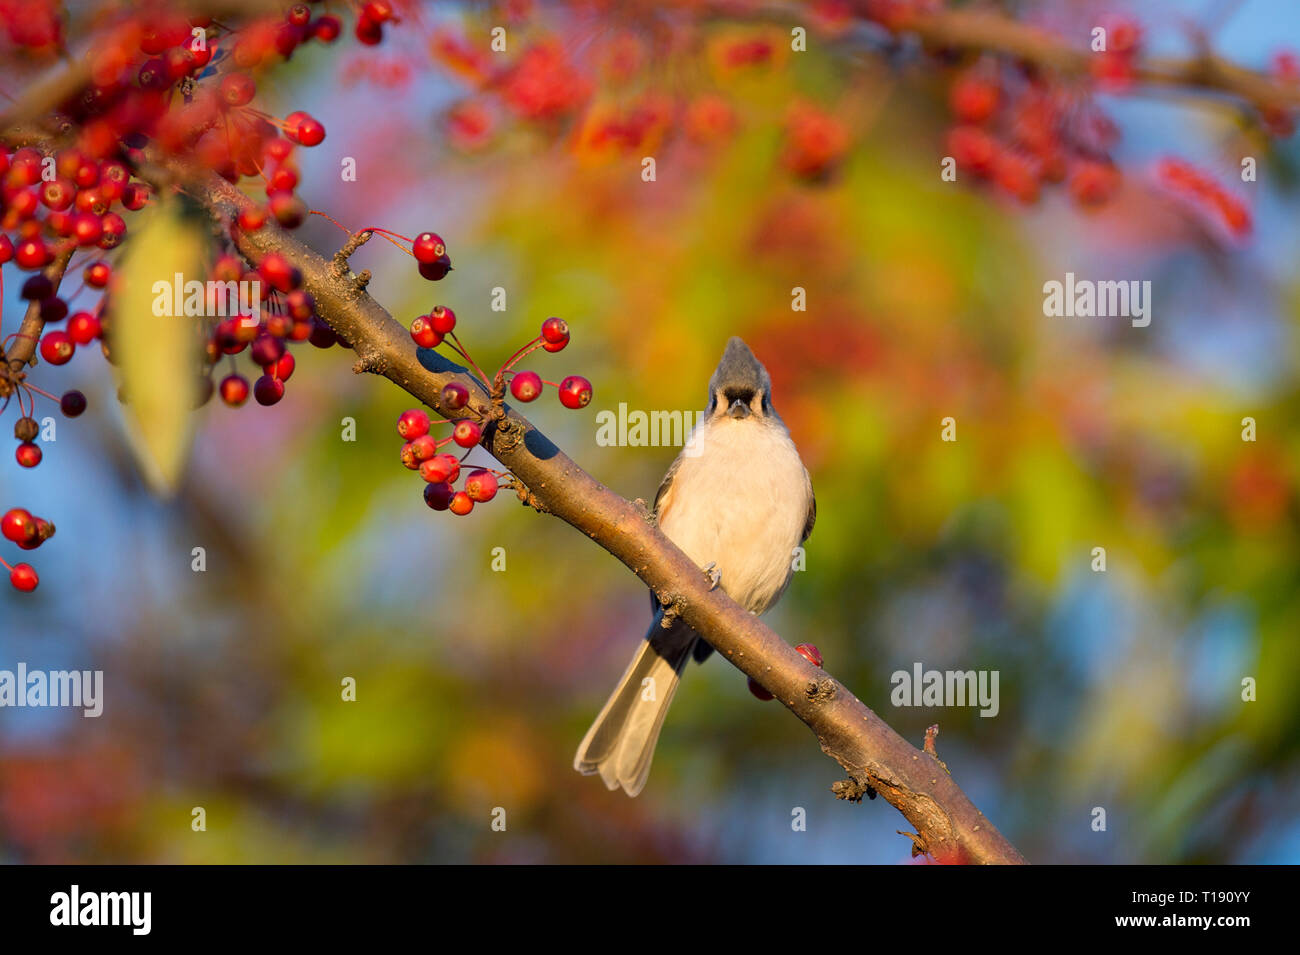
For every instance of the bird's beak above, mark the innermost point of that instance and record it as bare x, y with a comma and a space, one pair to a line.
738, 409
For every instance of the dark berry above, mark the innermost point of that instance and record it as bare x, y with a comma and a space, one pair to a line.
73, 403
268, 390
455, 396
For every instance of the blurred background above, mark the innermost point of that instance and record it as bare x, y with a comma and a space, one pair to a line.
775, 169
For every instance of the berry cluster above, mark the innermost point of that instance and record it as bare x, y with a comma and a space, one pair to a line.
29, 532
1202, 192
430, 331
290, 317
440, 470
809, 653
1018, 131
176, 86
421, 450
1115, 67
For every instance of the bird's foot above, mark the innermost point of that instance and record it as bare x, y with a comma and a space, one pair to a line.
713, 574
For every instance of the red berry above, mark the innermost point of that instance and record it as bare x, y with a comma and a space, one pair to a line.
555, 334
326, 29
1092, 183
72, 404
28, 455
288, 209
461, 503
973, 148
466, 433
438, 496
424, 447
32, 254
440, 469
756, 688
57, 348
97, 274
237, 89
299, 15
279, 272
6, 249
423, 333
251, 218
23, 205
481, 485
24, 578
114, 227
428, 247
266, 350
135, 196
301, 305
57, 194
268, 390
810, 653
443, 319
282, 369
304, 128
18, 525
455, 396
234, 390
368, 31
412, 424
974, 98
409, 460
526, 385
377, 10
575, 392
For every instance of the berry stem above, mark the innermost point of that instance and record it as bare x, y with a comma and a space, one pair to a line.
523, 352
382, 233
460, 349
40, 391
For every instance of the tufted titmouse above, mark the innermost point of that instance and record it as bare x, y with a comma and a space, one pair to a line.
737, 501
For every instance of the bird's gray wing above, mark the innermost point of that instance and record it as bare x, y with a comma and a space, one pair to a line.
812, 509
666, 485
662, 498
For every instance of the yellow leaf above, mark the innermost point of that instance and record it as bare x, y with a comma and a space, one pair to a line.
158, 356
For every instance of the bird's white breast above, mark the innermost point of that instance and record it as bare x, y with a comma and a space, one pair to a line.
741, 503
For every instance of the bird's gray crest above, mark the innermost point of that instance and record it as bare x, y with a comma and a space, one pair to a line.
740, 370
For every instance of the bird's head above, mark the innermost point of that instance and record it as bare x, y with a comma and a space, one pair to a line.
741, 388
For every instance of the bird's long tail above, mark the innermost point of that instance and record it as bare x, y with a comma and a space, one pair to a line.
621, 743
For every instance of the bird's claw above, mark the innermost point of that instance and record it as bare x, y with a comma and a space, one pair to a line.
713, 574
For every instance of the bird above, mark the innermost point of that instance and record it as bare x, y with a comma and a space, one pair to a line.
738, 501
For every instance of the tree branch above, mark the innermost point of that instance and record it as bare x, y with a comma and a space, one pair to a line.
948, 826
29, 332
996, 33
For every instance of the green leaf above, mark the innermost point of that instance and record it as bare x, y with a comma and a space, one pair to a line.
158, 356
